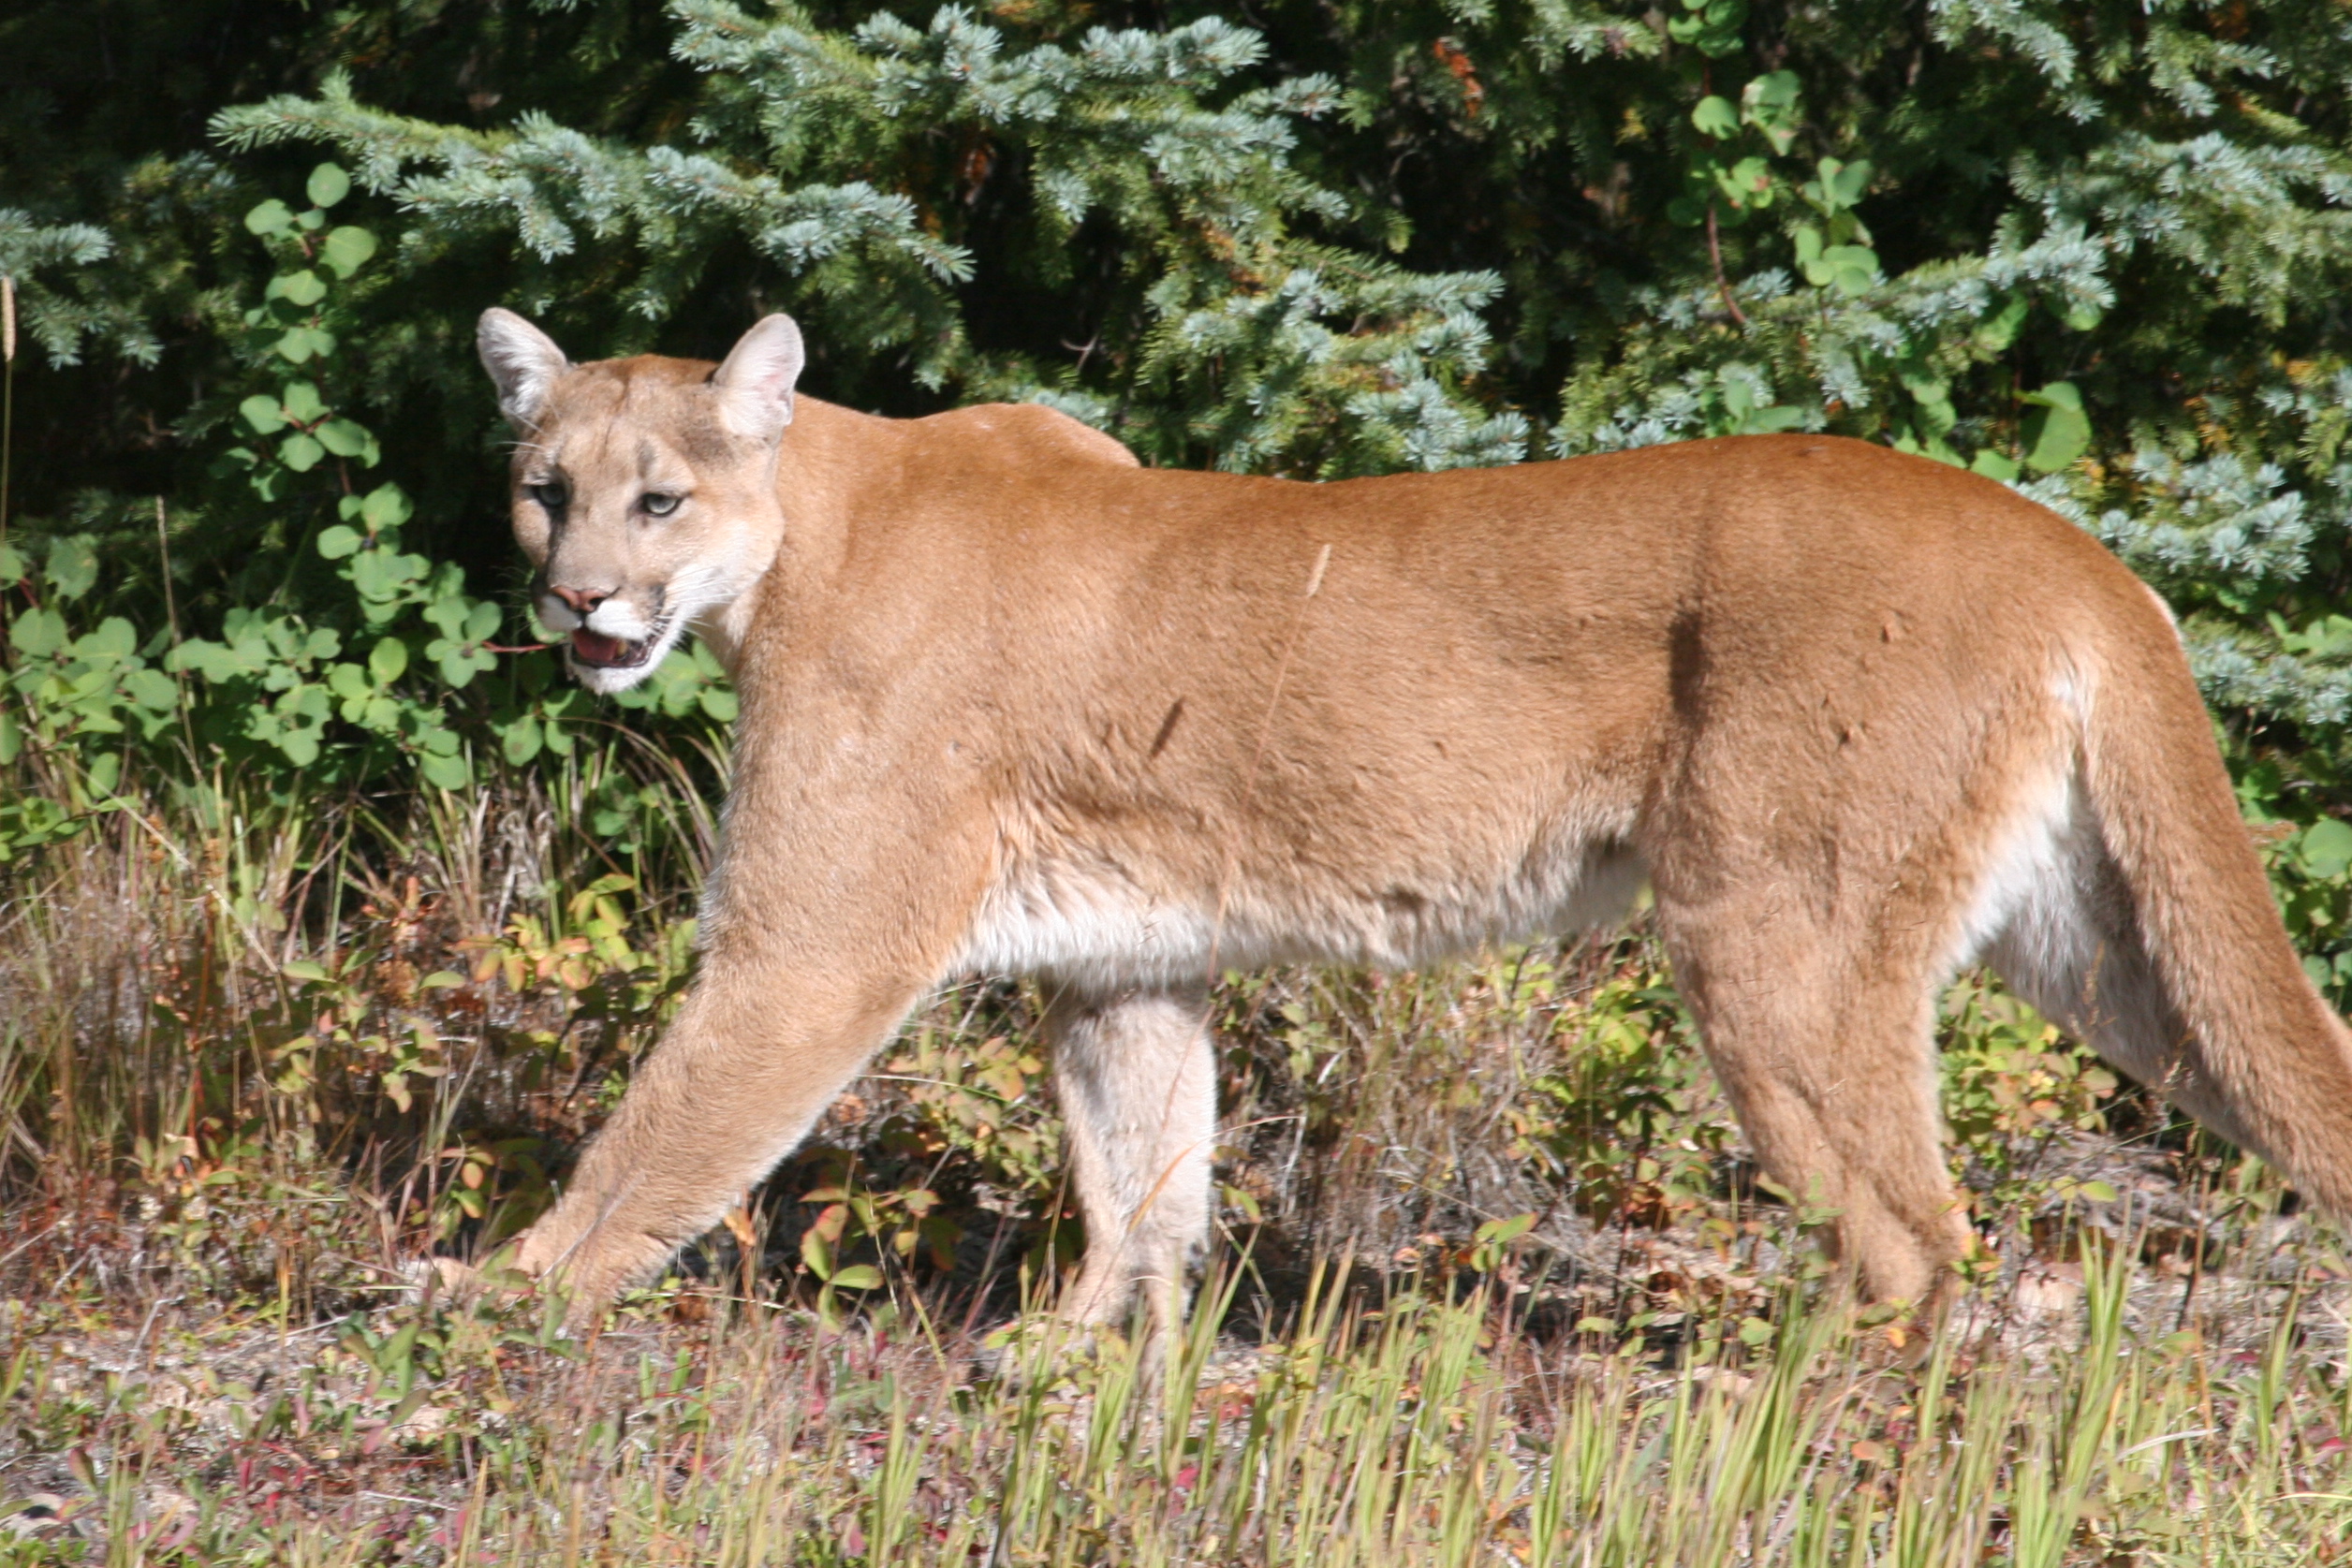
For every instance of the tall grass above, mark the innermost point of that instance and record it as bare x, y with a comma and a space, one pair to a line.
1378, 1428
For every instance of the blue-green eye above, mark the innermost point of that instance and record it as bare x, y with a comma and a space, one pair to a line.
553, 496
657, 504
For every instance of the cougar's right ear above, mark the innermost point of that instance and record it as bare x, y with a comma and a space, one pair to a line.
522, 361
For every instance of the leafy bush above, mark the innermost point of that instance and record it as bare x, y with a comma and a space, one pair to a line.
384, 664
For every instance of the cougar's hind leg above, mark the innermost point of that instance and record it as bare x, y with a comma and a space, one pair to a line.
1137, 1076
1826, 1050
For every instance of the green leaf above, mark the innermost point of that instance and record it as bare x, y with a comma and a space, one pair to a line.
1761, 422
303, 406
481, 623
1932, 394
112, 642
1770, 104
343, 438
521, 741
2061, 432
459, 667
387, 660
300, 452
303, 288
37, 633
449, 615
1994, 465
1503, 1231
858, 1276
1747, 183
386, 506
1774, 93
376, 575
208, 659
720, 703
2326, 850
309, 701
1714, 32
263, 414
300, 345
337, 541
152, 689
1715, 117
328, 186
72, 569
347, 249
1995, 335
271, 217
13, 566
444, 771
1853, 269
2328, 637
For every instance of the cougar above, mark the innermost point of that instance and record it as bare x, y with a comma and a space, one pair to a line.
1013, 704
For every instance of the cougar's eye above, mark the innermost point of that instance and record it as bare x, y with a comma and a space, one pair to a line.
657, 504
551, 496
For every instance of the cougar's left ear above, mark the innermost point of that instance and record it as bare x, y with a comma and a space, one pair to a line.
755, 386
522, 361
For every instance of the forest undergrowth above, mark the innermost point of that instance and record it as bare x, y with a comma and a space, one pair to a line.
1494, 1280
332, 918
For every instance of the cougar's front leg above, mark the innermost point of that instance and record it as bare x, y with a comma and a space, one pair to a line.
731, 1088
841, 897
1136, 1073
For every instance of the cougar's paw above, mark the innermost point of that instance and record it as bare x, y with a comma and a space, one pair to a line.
1044, 1350
462, 1283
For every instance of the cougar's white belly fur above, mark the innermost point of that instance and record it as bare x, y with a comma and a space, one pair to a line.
1088, 922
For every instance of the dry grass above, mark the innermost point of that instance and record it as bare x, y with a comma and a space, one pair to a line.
1388, 1428
207, 1358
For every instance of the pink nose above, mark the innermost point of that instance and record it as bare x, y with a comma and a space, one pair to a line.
584, 600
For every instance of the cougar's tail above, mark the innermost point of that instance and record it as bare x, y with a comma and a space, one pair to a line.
2254, 1049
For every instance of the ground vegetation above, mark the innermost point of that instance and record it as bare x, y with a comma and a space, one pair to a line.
333, 918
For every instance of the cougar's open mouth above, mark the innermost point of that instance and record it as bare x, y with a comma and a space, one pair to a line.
600, 652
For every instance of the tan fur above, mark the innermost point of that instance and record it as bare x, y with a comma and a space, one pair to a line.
1011, 703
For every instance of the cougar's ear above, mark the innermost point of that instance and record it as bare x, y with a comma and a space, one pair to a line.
755, 386
522, 361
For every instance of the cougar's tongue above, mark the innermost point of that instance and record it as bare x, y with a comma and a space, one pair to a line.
596, 648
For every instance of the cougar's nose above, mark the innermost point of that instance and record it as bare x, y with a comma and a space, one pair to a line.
584, 600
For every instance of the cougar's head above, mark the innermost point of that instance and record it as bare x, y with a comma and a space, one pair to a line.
644, 490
